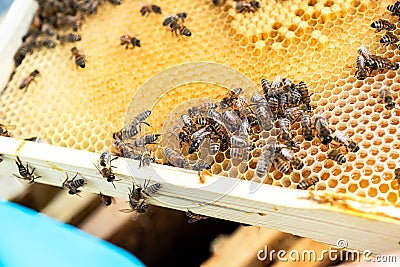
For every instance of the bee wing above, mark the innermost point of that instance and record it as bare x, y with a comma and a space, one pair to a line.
126, 210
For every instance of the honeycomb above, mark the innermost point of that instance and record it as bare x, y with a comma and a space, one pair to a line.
311, 41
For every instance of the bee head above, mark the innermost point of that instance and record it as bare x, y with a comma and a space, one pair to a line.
111, 178
143, 208
192, 150
390, 105
327, 140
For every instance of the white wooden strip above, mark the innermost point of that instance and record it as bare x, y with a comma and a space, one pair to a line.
322, 216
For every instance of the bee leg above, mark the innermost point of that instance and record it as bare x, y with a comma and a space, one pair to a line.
19, 177
113, 185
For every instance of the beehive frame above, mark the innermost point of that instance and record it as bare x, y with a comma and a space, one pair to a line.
317, 28
322, 216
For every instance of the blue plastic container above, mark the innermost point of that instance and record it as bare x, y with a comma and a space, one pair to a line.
29, 238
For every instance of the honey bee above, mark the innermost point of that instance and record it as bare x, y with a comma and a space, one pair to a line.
46, 42
131, 130
266, 86
145, 140
382, 24
305, 95
244, 128
395, 8
292, 114
323, 130
4, 130
129, 40
147, 9
180, 29
263, 113
264, 162
386, 97
70, 37
182, 135
197, 139
230, 97
232, 121
218, 2
281, 165
78, 57
201, 165
239, 153
214, 115
239, 147
106, 159
389, 38
221, 134
306, 127
176, 158
381, 64
337, 156
138, 196
343, 139
308, 182
202, 122
247, 6
193, 217
285, 129
294, 161
151, 190
120, 145
106, 171
363, 51
23, 50
294, 97
24, 172
204, 107
187, 123
175, 18
215, 147
239, 141
73, 184
28, 80
145, 159
273, 105
362, 70
106, 200
137, 200
47, 28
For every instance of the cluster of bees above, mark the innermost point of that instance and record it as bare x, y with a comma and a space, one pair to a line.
367, 62
54, 15
235, 125
245, 6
